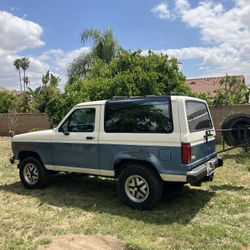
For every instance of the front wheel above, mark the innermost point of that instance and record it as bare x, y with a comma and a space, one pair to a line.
139, 187
32, 173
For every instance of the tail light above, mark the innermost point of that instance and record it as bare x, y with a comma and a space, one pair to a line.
186, 153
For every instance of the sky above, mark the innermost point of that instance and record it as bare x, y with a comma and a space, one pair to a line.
208, 37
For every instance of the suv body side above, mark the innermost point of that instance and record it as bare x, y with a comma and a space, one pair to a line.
99, 152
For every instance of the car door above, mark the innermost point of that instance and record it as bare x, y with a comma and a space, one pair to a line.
75, 142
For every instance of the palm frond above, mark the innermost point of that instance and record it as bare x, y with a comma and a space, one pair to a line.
94, 35
80, 65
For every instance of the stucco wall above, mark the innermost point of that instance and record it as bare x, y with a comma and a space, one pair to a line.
219, 113
24, 123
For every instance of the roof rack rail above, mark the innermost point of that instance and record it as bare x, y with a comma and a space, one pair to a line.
136, 96
119, 97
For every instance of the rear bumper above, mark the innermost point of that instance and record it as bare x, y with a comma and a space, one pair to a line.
204, 172
197, 175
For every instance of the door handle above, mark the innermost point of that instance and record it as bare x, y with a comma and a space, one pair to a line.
90, 137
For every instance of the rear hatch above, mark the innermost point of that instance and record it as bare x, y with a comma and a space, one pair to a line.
201, 134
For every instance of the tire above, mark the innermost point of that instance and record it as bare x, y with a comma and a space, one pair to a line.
139, 187
234, 137
32, 173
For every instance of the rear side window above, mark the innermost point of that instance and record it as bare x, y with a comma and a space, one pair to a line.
198, 116
139, 116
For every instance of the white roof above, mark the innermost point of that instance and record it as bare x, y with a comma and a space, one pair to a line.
102, 102
91, 103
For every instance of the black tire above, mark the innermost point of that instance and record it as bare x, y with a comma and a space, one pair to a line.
150, 187
236, 137
32, 173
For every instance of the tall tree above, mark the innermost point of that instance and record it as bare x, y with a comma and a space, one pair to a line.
25, 62
43, 94
26, 81
17, 64
105, 48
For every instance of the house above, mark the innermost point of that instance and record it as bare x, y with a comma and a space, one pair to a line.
208, 85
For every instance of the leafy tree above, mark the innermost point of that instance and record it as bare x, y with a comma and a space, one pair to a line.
24, 103
204, 96
232, 91
43, 94
17, 64
56, 108
131, 74
105, 48
8, 101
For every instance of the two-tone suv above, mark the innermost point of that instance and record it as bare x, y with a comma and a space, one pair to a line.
141, 141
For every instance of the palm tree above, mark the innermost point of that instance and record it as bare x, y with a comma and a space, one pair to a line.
26, 81
24, 65
45, 79
105, 47
17, 64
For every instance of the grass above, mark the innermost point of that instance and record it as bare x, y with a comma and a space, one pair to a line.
214, 216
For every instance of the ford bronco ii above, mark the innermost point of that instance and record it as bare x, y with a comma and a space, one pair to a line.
141, 141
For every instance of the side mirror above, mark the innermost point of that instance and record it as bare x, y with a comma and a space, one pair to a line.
65, 131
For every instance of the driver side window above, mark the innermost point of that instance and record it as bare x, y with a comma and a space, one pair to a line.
81, 120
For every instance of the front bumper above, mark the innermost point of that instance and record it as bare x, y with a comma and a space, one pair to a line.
204, 172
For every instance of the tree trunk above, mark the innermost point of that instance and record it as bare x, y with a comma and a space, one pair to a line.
24, 80
20, 80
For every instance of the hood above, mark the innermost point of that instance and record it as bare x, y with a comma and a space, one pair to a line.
41, 136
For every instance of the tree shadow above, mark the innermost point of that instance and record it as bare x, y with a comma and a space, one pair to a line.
227, 156
95, 194
228, 187
239, 158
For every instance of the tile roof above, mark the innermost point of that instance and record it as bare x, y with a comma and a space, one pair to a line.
208, 84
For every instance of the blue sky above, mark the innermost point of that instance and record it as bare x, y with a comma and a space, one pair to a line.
209, 37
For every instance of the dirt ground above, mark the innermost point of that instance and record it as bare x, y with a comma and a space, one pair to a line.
86, 242
5, 142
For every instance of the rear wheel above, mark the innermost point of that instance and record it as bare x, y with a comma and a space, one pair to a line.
32, 173
139, 187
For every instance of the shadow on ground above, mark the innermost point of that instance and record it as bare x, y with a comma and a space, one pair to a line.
94, 194
228, 187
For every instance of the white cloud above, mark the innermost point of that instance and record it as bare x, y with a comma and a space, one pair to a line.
17, 34
161, 11
59, 60
225, 34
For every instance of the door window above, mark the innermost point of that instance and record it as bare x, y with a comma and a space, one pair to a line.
81, 120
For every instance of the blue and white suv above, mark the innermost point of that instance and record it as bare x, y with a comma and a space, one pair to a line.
141, 141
